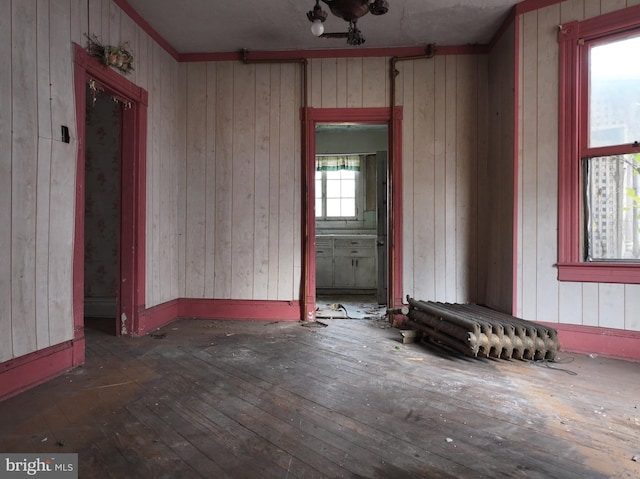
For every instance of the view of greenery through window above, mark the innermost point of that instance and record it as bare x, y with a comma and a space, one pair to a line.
612, 171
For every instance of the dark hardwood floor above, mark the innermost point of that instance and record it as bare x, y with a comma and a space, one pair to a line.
213, 399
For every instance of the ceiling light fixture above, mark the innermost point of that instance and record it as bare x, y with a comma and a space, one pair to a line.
349, 11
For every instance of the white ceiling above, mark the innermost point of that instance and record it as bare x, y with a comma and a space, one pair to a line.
213, 26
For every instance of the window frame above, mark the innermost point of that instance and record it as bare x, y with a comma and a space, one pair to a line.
572, 124
357, 221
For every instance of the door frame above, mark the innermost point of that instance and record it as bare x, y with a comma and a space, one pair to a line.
131, 290
376, 115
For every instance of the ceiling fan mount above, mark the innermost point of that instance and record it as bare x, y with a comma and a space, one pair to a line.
350, 11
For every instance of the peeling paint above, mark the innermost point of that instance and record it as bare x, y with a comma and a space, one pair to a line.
123, 324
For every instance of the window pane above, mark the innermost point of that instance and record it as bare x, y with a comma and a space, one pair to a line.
612, 207
347, 207
614, 95
348, 189
333, 207
333, 188
319, 212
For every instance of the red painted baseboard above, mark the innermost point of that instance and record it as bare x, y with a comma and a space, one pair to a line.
30, 370
611, 343
239, 309
156, 317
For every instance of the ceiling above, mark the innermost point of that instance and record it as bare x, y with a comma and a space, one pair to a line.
213, 26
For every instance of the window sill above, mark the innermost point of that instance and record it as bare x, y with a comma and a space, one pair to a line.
626, 273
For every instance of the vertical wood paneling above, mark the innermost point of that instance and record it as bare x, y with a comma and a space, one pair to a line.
466, 176
196, 178
6, 118
224, 177
482, 186
592, 8
181, 177
129, 35
354, 82
341, 82
496, 178
24, 175
153, 173
374, 82
590, 305
529, 125
439, 197
262, 207
315, 82
547, 169
63, 185
210, 176
43, 176
329, 83
166, 181
296, 186
451, 165
571, 10
407, 78
274, 183
612, 306
570, 303
242, 181
421, 180
79, 21
612, 5
632, 307
543, 297
289, 194
95, 18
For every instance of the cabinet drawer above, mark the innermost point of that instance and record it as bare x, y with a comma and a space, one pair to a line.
324, 247
354, 252
354, 243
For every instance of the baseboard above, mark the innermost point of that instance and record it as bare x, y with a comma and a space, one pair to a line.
257, 310
18, 375
157, 317
607, 342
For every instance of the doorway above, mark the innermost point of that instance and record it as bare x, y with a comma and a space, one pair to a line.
382, 247
129, 244
102, 206
350, 218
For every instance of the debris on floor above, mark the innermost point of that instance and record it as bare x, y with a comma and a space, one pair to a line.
477, 331
349, 307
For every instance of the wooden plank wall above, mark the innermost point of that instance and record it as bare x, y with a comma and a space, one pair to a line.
444, 176
37, 170
540, 296
240, 191
158, 73
498, 232
240, 200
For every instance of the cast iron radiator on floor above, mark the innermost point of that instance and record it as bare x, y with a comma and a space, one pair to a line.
478, 331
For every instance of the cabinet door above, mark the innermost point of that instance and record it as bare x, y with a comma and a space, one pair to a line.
324, 263
343, 269
365, 272
324, 271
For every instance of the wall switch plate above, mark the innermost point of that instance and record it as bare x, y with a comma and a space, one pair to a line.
65, 134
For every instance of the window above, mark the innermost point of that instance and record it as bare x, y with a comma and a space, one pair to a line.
599, 154
338, 187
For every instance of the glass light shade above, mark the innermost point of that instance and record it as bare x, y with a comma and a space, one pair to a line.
317, 28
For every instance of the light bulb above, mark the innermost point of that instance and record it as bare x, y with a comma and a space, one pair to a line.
317, 27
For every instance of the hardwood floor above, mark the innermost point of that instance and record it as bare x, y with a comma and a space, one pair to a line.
213, 399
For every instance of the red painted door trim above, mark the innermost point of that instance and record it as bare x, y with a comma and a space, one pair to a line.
133, 192
382, 115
